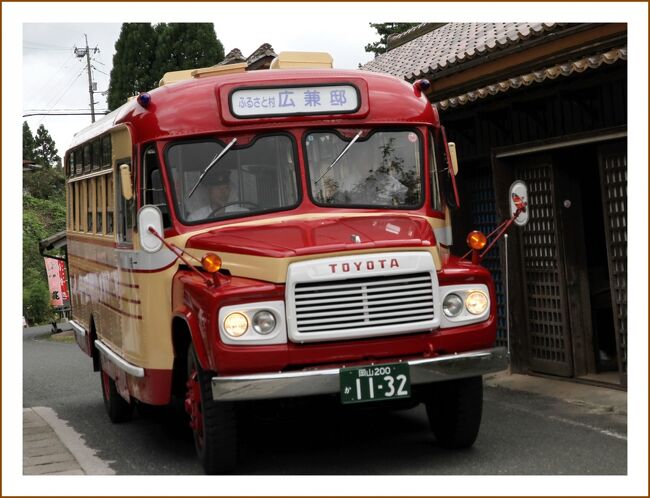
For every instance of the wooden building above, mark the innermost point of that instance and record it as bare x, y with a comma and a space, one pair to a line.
546, 103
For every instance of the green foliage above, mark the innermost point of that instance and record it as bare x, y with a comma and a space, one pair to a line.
143, 54
43, 215
36, 302
186, 46
28, 142
41, 218
47, 183
384, 30
45, 152
132, 63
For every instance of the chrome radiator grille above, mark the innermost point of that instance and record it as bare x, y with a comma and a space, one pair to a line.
364, 303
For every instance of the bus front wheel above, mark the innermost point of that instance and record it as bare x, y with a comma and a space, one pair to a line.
118, 409
213, 423
454, 409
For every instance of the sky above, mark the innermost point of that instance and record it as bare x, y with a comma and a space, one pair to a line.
55, 79
40, 71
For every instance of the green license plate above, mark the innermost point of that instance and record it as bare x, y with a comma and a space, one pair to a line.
375, 383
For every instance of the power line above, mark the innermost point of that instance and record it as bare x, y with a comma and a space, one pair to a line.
63, 114
46, 49
57, 47
64, 92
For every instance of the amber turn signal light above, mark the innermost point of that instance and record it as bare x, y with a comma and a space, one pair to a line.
476, 240
211, 262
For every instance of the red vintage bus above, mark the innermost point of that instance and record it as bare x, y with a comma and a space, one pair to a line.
237, 236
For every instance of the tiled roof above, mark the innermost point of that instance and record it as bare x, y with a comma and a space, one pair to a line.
264, 50
453, 44
552, 72
233, 57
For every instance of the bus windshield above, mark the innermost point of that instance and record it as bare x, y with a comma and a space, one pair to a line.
382, 169
255, 177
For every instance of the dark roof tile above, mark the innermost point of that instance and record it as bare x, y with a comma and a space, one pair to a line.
453, 44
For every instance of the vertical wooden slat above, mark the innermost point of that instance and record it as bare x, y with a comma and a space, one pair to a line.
613, 175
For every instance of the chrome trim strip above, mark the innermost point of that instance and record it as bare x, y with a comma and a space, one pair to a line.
118, 361
78, 329
326, 381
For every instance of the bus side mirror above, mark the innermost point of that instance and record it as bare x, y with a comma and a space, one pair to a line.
519, 203
453, 157
150, 224
125, 182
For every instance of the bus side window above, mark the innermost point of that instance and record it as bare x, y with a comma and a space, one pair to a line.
125, 209
153, 191
110, 200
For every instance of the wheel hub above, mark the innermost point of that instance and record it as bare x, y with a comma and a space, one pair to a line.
193, 406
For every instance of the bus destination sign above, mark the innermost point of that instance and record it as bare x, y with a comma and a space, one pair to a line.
287, 101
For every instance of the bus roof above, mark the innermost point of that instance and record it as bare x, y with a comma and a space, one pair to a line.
197, 106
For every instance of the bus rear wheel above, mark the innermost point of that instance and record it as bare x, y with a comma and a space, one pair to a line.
454, 409
118, 409
213, 423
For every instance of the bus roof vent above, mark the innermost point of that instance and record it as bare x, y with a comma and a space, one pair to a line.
203, 72
302, 60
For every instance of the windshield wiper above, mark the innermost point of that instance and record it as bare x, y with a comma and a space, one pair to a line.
356, 137
214, 161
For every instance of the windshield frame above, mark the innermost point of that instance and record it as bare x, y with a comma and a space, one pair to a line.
364, 138
223, 140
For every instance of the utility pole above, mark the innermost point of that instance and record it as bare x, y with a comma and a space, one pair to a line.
81, 52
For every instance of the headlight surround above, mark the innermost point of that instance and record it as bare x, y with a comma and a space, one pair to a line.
264, 322
476, 302
452, 305
235, 324
464, 304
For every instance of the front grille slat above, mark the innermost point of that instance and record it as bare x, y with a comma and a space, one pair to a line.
367, 302
371, 310
365, 281
374, 290
360, 324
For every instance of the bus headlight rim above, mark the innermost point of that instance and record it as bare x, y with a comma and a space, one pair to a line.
476, 302
452, 305
235, 324
264, 322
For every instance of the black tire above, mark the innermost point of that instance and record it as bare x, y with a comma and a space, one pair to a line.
118, 409
213, 424
454, 409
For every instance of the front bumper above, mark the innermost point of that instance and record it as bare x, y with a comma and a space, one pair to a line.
326, 380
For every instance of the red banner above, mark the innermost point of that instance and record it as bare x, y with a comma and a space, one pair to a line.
57, 282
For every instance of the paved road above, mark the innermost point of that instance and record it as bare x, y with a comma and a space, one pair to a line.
522, 434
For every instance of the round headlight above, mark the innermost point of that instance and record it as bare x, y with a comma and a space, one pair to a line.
235, 324
476, 302
264, 322
452, 305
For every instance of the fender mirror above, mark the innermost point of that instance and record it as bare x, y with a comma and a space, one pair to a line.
125, 181
149, 222
518, 198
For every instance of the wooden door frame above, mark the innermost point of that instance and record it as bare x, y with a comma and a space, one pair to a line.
503, 175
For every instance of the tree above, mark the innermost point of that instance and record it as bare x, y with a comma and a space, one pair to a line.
385, 30
28, 143
132, 63
143, 54
45, 151
48, 182
43, 215
186, 46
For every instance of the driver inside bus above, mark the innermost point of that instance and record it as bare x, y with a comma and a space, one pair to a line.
219, 192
